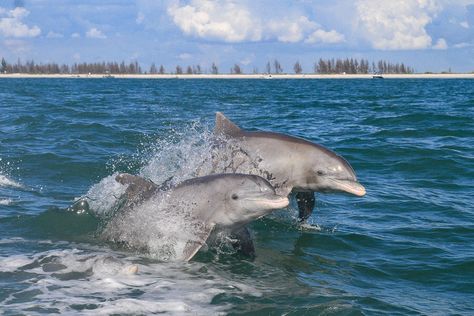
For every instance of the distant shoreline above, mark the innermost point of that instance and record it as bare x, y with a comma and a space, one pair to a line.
245, 76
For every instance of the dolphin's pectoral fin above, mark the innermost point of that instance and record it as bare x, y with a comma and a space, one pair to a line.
224, 126
193, 246
241, 240
306, 202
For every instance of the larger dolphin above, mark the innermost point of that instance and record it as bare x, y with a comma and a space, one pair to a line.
290, 163
206, 204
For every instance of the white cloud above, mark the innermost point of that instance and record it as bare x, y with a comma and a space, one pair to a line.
321, 36
75, 35
52, 34
290, 30
224, 20
440, 44
185, 56
230, 21
95, 33
397, 25
463, 45
464, 24
12, 25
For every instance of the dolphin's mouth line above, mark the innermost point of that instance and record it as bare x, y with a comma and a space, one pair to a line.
276, 203
350, 186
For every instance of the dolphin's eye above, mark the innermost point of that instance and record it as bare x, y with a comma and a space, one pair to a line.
234, 196
320, 172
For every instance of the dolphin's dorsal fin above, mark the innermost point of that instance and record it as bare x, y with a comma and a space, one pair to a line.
138, 188
225, 126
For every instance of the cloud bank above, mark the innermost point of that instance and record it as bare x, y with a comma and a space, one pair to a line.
397, 25
233, 22
11, 24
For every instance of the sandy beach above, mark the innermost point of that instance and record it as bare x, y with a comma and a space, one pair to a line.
245, 76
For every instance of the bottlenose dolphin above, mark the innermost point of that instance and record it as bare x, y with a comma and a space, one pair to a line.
289, 163
211, 203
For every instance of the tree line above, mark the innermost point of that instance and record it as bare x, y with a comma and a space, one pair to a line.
328, 66
30, 67
362, 66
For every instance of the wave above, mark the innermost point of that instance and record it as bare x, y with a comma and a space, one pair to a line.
93, 281
6, 201
6, 182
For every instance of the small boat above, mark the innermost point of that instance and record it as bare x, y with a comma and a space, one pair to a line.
377, 76
108, 75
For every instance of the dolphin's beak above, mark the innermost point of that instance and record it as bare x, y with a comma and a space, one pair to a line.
350, 186
275, 203
279, 202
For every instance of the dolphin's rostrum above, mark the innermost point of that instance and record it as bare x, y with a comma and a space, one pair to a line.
216, 202
291, 164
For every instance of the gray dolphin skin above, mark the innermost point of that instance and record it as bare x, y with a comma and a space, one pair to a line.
291, 164
215, 202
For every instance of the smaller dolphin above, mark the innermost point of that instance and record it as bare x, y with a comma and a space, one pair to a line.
291, 164
212, 203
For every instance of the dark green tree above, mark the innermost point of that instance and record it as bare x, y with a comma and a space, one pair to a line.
214, 69
236, 69
161, 71
277, 67
153, 69
297, 68
3, 66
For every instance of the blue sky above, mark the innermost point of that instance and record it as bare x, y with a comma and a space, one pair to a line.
429, 35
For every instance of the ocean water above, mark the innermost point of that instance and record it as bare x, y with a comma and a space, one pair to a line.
406, 248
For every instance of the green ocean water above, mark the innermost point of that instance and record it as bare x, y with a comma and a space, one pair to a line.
406, 248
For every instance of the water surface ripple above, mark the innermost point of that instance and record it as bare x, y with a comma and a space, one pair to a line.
404, 249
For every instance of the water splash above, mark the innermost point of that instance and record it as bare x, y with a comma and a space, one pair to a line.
181, 155
103, 196
157, 228
6, 167
154, 227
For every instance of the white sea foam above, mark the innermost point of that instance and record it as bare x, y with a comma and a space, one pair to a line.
6, 182
89, 281
6, 201
9, 264
11, 240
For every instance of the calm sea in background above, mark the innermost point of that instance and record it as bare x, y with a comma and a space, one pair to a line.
406, 248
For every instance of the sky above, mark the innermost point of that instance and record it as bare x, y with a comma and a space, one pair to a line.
429, 35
